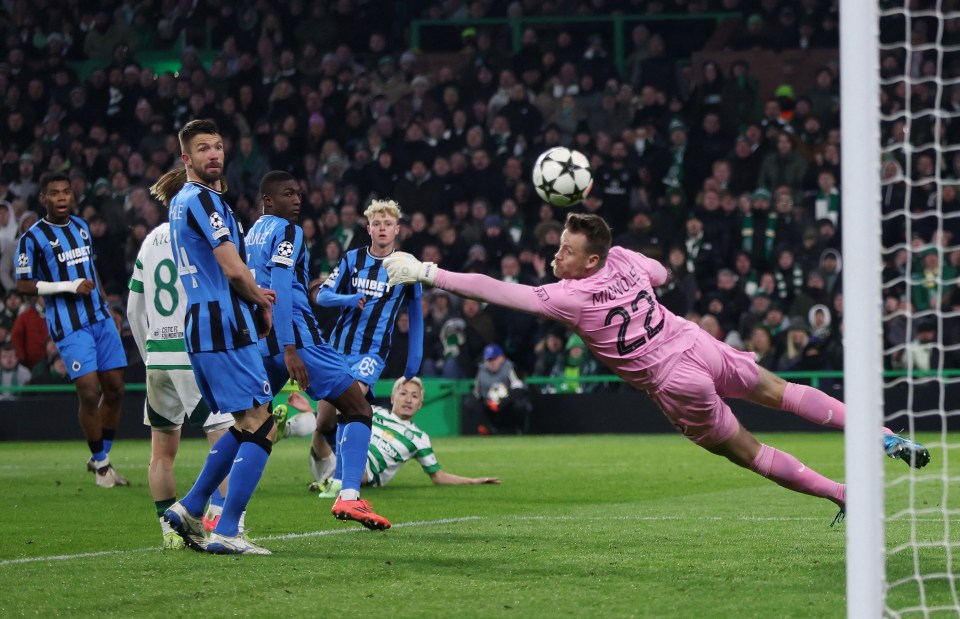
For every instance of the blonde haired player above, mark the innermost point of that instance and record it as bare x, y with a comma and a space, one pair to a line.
395, 440
155, 310
369, 307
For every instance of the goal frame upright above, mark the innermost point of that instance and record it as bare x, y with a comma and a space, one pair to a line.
863, 329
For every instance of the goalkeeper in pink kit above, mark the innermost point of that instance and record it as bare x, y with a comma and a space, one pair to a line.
605, 294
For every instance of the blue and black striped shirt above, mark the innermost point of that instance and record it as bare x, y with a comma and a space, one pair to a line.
217, 317
368, 330
278, 259
62, 253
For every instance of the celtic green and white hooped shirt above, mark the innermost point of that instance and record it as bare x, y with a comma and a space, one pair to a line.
393, 442
165, 302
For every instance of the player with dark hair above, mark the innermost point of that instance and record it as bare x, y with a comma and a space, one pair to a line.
363, 332
605, 295
294, 348
55, 259
225, 307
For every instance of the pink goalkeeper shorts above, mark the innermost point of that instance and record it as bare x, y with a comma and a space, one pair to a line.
691, 396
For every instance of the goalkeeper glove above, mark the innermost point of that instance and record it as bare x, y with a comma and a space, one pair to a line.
405, 269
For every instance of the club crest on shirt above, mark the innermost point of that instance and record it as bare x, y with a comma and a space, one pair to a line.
83, 235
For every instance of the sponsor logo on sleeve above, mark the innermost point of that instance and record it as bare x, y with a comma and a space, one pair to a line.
284, 253
332, 278
542, 293
23, 265
219, 228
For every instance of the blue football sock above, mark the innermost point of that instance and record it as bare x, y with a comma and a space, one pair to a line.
108, 436
338, 469
216, 499
244, 477
97, 451
353, 452
219, 460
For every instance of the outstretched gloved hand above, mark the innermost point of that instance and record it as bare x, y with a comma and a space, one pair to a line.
403, 268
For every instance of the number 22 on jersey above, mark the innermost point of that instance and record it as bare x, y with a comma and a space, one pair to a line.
624, 347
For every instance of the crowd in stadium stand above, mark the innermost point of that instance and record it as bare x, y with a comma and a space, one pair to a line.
737, 190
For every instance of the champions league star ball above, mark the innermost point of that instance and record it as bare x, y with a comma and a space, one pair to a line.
562, 176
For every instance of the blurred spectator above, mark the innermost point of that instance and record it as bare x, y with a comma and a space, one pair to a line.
29, 333
931, 282
758, 229
761, 345
577, 362
11, 308
54, 373
499, 402
8, 240
798, 338
784, 167
814, 292
923, 352
245, 168
12, 374
744, 165
550, 352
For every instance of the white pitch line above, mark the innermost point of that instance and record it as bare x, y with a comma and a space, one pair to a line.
399, 525
427, 523
268, 538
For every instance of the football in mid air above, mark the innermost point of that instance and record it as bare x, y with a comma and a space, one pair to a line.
562, 176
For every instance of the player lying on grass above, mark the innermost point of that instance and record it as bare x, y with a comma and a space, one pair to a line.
395, 440
606, 296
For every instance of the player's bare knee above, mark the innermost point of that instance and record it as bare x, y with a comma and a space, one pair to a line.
326, 423
162, 461
353, 403
89, 401
769, 389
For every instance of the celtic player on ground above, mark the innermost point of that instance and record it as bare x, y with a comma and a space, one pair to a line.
395, 439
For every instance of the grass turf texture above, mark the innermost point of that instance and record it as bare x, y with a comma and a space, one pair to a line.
645, 526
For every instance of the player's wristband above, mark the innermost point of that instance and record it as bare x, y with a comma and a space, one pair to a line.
46, 288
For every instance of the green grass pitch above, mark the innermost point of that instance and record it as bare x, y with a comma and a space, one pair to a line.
618, 526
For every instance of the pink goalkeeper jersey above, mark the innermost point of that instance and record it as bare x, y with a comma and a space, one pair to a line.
615, 311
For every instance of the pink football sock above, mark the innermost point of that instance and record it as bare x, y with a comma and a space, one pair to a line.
784, 469
816, 406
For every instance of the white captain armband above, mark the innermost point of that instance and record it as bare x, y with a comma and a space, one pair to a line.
46, 288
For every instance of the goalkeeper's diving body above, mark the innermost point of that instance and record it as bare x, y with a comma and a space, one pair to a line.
605, 294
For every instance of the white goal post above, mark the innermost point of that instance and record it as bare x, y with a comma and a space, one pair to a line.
862, 340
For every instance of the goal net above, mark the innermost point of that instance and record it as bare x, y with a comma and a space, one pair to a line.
903, 59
